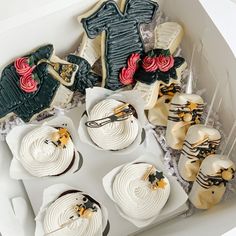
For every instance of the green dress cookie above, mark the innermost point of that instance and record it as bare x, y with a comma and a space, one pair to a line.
31, 84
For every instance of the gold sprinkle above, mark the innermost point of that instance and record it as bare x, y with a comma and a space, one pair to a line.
161, 184
187, 117
121, 108
227, 175
87, 214
192, 106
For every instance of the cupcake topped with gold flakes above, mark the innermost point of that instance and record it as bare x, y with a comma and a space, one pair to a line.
43, 151
140, 191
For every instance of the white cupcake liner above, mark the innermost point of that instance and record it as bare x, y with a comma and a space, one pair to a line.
16, 135
97, 94
50, 194
177, 197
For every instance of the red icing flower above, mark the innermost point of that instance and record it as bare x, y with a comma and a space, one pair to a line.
28, 84
149, 64
22, 66
126, 76
165, 63
133, 60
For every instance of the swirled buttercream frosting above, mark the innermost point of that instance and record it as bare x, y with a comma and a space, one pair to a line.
41, 156
139, 197
114, 135
68, 216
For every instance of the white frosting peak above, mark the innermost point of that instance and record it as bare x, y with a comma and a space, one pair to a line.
40, 157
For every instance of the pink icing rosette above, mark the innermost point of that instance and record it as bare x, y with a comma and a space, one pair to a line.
22, 66
149, 64
165, 63
28, 84
133, 61
126, 76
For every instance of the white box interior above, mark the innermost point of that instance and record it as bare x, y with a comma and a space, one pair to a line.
55, 22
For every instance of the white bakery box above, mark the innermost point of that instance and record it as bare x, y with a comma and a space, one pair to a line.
30, 23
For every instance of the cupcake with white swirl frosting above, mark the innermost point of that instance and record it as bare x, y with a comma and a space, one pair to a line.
44, 150
113, 122
140, 192
71, 212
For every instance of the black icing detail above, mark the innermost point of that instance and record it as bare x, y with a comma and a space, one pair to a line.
68, 192
87, 197
145, 77
122, 33
206, 181
107, 229
84, 78
150, 77
143, 136
110, 119
84, 114
122, 115
68, 168
44, 52
179, 61
157, 176
202, 150
92, 200
81, 161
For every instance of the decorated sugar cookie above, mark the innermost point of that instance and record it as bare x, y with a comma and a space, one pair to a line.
159, 66
33, 83
41, 81
200, 142
90, 49
120, 33
21, 92
210, 184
